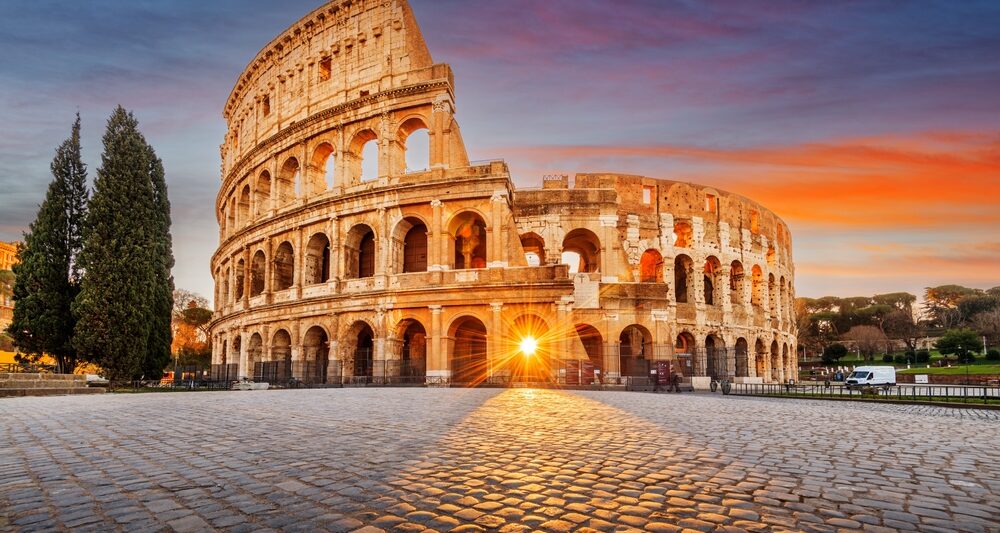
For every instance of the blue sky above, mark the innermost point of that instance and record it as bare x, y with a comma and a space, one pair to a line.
870, 127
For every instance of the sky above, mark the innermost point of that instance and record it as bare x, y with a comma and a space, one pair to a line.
871, 127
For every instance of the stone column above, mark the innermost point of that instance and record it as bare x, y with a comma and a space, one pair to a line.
495, 251
494, 348
299, 270
609, 230
269, 271
245, 369
299, 370
334, 372
437, 363
247, 267
273, 196
336, 253
382, 244
435, 241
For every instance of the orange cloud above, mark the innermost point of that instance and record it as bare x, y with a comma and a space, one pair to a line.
933, 179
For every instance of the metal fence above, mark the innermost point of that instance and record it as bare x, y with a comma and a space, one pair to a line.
927, 393
25, 368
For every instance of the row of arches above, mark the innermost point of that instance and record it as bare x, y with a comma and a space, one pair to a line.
581, 250
408, 252
296, 178
355, 356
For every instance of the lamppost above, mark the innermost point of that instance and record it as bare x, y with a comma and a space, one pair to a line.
961, 355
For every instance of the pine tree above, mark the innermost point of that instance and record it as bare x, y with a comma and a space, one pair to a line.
47, 275
162, 302
120, 256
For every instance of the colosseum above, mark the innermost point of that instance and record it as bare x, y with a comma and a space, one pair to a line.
339, 262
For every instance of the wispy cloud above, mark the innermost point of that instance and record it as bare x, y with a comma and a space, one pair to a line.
862, 124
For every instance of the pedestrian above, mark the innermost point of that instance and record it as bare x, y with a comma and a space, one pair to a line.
675, 380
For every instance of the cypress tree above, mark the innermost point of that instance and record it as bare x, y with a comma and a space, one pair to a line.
162, 301
120, 255
47, 274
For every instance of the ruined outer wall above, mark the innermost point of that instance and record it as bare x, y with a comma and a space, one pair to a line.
695, 232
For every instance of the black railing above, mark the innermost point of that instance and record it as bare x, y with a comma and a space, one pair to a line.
26, 368
917, 393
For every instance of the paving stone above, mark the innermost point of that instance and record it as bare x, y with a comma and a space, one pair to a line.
501, 460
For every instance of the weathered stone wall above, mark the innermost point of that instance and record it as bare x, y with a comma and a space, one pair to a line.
327, 275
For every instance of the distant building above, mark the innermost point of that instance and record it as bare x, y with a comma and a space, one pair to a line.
8, 256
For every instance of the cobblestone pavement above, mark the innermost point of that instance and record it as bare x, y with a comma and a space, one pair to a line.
507, 460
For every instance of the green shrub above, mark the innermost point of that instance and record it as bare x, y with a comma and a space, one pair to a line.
887, 358
993, 354
901, 359
923, 356
967, 358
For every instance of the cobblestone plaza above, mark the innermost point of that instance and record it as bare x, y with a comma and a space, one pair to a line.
491, 459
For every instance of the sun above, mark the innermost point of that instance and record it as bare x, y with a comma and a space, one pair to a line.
528, 346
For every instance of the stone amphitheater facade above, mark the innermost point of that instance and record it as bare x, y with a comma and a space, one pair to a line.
330, 272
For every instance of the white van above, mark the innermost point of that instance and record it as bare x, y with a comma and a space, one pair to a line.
871, 376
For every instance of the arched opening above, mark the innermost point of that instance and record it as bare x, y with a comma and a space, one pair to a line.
757, 286
317, 259
716, 363
742, 357
635, 351
770, 255
410, 240
262, 194
240, 277
234, 354
369, 161
244, 206
712, 282
359, 252
362, 357
760, 359
415, 140
287, 178
777, 374
531, 360
736, 283
468, 357
413, 350
651, 267
322, 170
685, 351
362, 157
534, 249
582, 251
683, 268
284, 266
279, 367
255, 354
683, 234
593, 343
316, 355
468, 232
257, 267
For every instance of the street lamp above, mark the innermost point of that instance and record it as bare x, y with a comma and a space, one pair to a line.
961, 355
